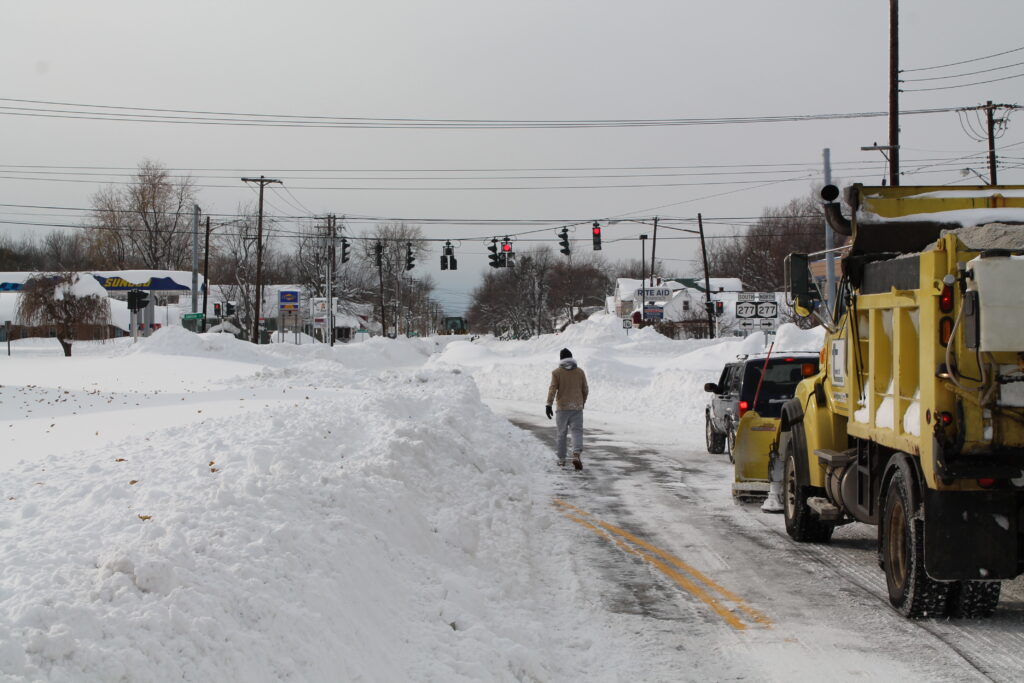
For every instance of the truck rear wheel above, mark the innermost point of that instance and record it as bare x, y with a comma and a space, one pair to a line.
801, 523
715, 439
973, 599
911, 591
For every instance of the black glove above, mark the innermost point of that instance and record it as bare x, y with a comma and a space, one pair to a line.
548, 412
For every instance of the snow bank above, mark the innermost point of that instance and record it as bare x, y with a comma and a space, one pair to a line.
642, 373
358, 531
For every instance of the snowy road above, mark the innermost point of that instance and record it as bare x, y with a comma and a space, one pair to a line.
824, 608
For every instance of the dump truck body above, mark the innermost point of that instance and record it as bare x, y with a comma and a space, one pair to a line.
915, 421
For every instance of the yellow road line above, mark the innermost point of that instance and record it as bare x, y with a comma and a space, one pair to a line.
683, 581
741, 604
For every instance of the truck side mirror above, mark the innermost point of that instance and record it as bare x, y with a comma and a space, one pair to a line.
801, 293
711, 388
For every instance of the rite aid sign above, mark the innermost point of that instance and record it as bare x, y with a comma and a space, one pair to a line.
653, 293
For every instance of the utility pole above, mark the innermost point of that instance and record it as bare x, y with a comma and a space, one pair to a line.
991, 142
830, 257
379, 249
894, 93
259, 257
707, 280
206, 273
330, 277
643, 269
654, 245
195, 257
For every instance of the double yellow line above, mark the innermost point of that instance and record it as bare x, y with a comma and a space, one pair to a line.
726, 604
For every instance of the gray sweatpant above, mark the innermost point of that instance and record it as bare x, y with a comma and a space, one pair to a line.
566, 420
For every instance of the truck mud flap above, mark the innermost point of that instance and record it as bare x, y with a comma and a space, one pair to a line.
971, 534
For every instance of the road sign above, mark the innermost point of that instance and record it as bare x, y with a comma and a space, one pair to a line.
288, 300
755, 296
653, 293
757, 309
626, 324
192, 316
654, 312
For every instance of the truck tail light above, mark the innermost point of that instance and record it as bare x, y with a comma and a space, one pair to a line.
986, 482
744, 407
807, 369
946, 299
945, 330
946, 418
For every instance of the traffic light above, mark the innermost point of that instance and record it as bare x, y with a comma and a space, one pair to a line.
410, 260
448, 257
379, 251
216, 310
229, 308
719, 307
508, 259
133, 300
344, 250
597, 236
493, 256
563, 239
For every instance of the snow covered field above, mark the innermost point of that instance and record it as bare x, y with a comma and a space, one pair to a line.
192, 507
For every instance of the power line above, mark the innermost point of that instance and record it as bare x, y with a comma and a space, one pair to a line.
201, 117
966, 61
968, 73
963, 85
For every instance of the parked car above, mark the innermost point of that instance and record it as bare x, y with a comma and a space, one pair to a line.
742, 416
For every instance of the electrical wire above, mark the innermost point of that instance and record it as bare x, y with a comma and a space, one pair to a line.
966, 61
201, 117
968, 73
962, 85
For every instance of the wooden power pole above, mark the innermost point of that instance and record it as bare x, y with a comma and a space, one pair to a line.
263, 182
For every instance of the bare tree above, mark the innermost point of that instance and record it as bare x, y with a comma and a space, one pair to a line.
236, 248
399, 290
66, 303
756, 255
147, 223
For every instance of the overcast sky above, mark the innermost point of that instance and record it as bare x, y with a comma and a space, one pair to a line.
564, 60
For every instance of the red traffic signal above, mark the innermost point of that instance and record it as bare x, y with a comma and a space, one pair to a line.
597, 236
506, 247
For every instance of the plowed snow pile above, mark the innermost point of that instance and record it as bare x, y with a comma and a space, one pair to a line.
192, 507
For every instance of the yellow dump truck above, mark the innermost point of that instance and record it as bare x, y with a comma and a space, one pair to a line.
915, 420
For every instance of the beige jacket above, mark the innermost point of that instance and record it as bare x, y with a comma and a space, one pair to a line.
569, 384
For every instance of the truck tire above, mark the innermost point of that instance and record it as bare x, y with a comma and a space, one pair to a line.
715, 439
801, 523
911, 591
973, 599
730, 440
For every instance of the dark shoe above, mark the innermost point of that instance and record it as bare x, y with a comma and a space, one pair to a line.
576, 462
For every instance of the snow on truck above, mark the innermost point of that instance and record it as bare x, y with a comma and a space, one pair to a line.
915, 420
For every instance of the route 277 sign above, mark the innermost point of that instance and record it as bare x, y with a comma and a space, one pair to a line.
757, 305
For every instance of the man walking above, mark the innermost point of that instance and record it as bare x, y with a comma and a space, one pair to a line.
569, 385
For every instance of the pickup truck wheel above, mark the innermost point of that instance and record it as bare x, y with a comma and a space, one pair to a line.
973, 599
911, 591
801, 523
730, 441
715, 439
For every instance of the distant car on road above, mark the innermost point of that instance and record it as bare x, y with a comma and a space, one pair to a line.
746, 406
